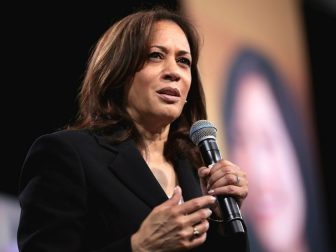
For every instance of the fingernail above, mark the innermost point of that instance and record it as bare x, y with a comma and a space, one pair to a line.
207, 225
211, 191
213, 198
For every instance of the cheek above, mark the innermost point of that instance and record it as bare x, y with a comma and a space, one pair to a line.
131, 97
185, 89
138, 86
185, 92
133, 100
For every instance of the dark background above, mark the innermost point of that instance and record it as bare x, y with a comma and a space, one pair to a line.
44, 52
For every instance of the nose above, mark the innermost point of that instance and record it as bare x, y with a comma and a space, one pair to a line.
171, 71
171, 77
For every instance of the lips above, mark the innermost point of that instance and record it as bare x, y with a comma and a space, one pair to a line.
169, 95
169, 91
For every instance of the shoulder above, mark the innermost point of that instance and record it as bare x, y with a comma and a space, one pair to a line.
63, 142
55, 153
80, 141
66, 135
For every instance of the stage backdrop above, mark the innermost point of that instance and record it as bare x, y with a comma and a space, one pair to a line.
255, 70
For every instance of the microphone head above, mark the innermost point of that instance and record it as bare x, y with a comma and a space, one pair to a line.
201, 130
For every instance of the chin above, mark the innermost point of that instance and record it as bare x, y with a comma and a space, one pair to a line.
168, 118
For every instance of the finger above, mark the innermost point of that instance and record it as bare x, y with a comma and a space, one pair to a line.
227, 165
239, 193
203, 171
175, 199
222, 179
241, 179
220, 169
198, 216
194, 205
196, 240
199, 229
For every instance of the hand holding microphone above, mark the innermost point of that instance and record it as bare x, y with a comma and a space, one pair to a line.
203, 134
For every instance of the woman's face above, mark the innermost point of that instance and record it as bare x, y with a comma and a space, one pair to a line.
159, 90
262, 146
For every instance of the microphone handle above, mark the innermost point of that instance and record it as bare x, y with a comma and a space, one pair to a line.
232, 219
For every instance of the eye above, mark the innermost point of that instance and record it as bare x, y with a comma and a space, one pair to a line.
184, 61
155, 56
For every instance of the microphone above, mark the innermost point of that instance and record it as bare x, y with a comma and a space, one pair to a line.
203, 134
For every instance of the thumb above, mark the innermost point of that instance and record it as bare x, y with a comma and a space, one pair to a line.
203, 172
176, 197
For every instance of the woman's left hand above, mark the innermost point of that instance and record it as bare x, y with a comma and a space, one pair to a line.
224, 178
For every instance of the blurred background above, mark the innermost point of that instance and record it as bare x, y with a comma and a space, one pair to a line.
286, 46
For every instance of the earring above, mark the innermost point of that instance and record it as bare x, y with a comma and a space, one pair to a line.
185, 101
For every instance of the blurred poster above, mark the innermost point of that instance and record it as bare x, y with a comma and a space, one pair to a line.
254, 69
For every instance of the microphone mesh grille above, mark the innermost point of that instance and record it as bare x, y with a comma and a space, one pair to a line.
201, 130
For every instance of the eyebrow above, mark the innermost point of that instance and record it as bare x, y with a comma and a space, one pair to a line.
181, 52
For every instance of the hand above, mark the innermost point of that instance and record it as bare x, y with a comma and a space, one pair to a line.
224, 178
174, 226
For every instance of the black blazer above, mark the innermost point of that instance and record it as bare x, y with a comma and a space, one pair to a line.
79, 193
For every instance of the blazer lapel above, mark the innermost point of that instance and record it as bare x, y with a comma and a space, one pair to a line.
187, 180
132, 170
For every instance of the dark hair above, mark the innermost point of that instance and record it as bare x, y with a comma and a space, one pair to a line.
119, 54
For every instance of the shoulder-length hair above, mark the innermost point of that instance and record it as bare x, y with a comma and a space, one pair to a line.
118, 55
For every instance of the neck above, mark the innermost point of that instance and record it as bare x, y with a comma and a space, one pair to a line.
154, 141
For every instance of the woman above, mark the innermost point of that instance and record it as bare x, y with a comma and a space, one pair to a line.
125, 176
266, 136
